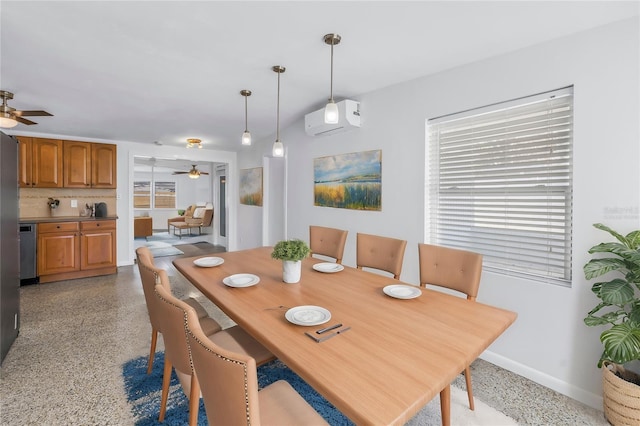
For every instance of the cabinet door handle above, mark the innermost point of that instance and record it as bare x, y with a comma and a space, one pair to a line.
58, 226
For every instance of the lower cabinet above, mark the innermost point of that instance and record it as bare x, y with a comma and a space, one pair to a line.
68, 250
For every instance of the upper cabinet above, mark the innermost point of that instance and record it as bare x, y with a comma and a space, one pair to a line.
51, 163
89, 165
103, 165
40, 163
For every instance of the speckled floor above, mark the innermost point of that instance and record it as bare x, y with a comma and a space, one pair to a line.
65, 368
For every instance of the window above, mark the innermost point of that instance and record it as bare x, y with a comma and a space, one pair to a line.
142, 194
500, 184
164, 195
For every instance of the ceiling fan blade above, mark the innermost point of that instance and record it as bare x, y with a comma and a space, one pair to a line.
179, 173
23, 120
31, 113
204, 173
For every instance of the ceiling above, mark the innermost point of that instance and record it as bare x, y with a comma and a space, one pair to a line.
161, 71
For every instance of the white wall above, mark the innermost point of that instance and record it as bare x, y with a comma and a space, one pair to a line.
548, 342
126, 152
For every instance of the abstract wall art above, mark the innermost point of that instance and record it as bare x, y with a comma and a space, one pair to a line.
349, 181
251, 186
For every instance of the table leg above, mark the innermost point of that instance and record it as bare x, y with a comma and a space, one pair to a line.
445, 405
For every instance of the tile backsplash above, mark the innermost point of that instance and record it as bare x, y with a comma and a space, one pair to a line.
33, 201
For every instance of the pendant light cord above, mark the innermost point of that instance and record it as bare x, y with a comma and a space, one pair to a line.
331, 86
245, 114
278, 112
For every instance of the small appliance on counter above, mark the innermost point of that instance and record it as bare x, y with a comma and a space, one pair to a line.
100, 209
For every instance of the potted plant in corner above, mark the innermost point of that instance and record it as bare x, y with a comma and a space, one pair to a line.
619, 309
291, 252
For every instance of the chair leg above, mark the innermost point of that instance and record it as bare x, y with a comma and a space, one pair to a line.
194, 401
152, 351
166, 380
467, 378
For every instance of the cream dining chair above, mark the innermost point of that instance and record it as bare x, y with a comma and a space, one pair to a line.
148, 272
327, 241
229, 385
455, 269
383, 253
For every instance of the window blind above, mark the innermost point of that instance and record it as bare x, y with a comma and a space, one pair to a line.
500, 184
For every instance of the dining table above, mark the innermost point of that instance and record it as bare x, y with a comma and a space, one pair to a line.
397, 345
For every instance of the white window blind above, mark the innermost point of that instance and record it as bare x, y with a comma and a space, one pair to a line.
500, 184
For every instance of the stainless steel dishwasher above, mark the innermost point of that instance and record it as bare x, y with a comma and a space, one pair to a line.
28, 243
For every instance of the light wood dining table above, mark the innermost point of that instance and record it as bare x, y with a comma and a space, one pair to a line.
398, 354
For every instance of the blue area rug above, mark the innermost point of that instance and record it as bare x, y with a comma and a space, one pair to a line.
144, 391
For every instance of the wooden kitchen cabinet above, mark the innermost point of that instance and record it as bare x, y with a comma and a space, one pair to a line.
98, 244
68, 250
40, 163
89, 165
103, 165
58, 250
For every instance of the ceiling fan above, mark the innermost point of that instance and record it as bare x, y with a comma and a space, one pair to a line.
10, 117
194, 173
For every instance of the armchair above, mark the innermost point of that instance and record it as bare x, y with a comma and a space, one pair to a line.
187, 213
199, 217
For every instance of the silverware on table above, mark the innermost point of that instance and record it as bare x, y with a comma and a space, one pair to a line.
328, 336
332, 327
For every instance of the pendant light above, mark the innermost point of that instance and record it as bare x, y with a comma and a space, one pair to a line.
278, 148
246, 136
331, 115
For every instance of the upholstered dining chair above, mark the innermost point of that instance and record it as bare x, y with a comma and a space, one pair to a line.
173, 313
148, 276
229, 386
329, 242
383, 253
455, 269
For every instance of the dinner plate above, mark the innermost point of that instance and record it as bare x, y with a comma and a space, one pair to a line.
328, 267
208, 262
307, 315
400, 291
241, 280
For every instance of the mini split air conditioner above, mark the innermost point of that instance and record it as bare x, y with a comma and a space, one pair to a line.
349, 113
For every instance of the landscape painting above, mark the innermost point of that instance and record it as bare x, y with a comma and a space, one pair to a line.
251, 186
349, 181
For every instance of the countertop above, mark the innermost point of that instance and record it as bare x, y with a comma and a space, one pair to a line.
64, 219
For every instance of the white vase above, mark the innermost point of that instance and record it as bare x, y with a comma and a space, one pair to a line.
291, 270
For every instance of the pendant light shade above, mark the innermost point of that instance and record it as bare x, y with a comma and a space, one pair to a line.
331, 110
331, 113
278, 147
246, 136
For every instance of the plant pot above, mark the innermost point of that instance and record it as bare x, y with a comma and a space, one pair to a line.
621, 399
291, 270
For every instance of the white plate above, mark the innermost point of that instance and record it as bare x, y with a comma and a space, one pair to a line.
307, 315
241, 280
208, 262
328, 267
400, 291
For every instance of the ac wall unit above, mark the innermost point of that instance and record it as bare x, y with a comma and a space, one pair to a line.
349, 118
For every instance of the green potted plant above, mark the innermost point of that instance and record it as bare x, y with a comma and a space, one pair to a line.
619, 310
291, 252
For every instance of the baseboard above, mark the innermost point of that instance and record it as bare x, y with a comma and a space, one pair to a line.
585, 397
